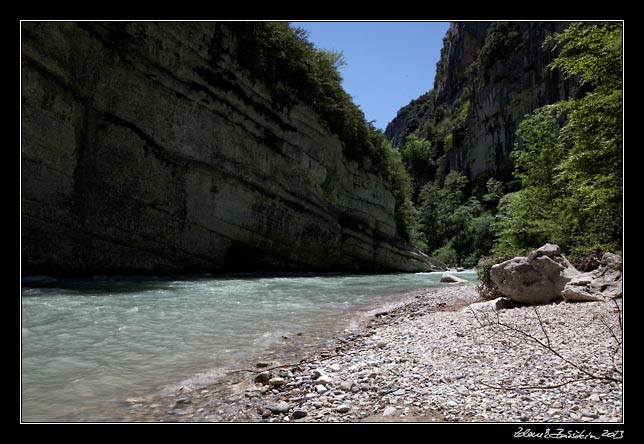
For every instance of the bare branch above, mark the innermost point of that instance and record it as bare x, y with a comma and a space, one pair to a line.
543, 328
498, 323
536, 387
619, 315
476, 316
610, 329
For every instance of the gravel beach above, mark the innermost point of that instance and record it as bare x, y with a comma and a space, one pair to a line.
430, 360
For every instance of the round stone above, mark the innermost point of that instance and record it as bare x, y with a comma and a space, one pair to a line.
276, 382
343, 408
389, 411
324, 380
279, 407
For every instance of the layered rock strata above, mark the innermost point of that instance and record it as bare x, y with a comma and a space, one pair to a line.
142, 153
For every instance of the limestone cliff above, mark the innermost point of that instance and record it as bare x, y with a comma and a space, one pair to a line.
140, 153
490, 75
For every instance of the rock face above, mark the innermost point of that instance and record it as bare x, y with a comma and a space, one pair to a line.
537, 279
493, 73
141, 153
601, 284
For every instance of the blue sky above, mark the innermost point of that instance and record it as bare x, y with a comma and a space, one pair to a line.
388, 63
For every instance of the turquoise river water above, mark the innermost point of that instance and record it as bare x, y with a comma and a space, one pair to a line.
88, 344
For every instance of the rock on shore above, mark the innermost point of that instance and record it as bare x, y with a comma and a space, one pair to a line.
451, 279
601, 284
536, 279
546, 275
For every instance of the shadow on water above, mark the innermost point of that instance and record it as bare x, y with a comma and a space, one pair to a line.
124, 284
98, 285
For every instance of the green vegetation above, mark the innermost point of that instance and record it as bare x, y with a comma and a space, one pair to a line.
413, 114
502, 39
456, 226
487, 289
569, 154
567, 181
418, 156
295, 71
445, 127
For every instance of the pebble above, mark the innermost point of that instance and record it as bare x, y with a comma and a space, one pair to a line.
284, 373
299, 413
381, 344
346, 385
324, 380
594, 397
263, 377
334, 367
389, 411
279, 407
321, 389
343, 408
276, 382
589, 414
184, 389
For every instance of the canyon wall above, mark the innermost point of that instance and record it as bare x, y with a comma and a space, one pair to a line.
141, 153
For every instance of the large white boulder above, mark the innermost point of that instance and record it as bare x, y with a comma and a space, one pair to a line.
601, 284
537, 279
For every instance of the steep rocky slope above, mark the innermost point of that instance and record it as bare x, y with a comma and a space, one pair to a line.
140, 153
490, 75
